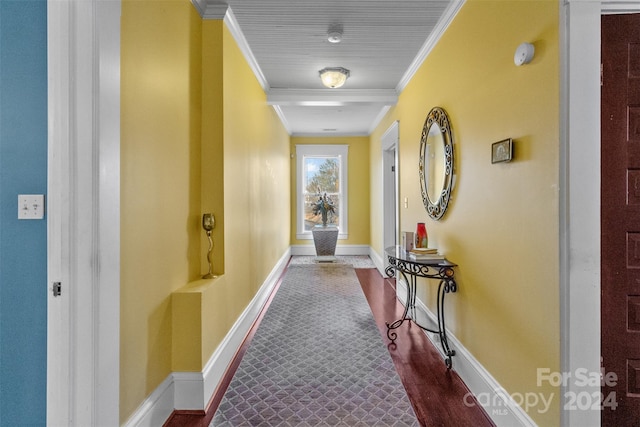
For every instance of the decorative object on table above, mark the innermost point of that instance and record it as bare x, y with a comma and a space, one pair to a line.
436, 163
324, 206
426, 254
422, 240
408, 241
208, 223
502, 151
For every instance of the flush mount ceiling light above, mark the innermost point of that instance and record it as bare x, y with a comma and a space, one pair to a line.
334, 77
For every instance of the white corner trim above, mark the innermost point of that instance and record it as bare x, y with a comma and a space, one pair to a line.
442, 25
188, 391
502, 409
194, 390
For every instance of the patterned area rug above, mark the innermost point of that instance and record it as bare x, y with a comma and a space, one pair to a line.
317, 359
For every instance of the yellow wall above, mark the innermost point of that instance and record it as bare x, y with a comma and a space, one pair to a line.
212, 150
160, 193
256, 180
189, 105
502, 224
357, 192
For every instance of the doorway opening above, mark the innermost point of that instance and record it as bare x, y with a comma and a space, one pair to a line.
391, 216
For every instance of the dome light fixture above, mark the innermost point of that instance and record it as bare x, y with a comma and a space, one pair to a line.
334, 77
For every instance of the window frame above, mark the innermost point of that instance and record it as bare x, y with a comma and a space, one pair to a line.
322, 150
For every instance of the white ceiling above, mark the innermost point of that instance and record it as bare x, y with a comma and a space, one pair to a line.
383, 43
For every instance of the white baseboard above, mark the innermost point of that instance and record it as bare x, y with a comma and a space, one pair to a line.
308, 250
194, 390
156, 408
378, 261
495, 400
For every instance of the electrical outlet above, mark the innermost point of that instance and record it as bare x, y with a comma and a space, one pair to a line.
30, 206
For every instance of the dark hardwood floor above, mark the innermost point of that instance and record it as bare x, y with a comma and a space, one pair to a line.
436, 393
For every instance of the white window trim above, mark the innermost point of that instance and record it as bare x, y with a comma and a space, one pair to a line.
322, 150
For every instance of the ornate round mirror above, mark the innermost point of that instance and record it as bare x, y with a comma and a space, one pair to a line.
436, 162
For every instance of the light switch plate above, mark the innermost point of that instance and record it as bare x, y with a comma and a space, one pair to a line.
30, 206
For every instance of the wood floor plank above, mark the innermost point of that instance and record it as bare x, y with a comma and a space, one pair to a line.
436, 393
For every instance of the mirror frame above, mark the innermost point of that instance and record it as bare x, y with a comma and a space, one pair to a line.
437, 115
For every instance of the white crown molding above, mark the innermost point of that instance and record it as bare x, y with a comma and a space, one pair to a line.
333, 135
331, 97
429, 44
237, 34
383, 112
209, 10
283, 119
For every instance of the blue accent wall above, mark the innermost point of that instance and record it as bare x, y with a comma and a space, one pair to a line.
23, 243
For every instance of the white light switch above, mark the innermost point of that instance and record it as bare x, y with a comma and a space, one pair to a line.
30, 206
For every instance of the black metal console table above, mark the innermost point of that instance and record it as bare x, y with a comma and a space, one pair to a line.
411, 269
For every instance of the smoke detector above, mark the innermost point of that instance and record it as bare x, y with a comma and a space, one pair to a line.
334, 34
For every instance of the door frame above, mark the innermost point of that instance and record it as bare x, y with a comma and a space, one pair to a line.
83, 212
390, 142
579, 237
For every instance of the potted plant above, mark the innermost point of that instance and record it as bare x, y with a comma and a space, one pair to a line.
325, 237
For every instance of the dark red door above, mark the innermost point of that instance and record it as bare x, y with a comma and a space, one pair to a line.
620, 213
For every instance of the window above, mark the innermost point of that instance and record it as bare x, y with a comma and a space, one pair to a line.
321, 169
